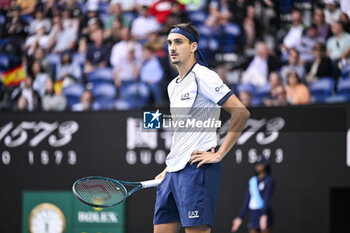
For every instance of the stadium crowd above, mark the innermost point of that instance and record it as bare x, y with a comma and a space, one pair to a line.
111, 54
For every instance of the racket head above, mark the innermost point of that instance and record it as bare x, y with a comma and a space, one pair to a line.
99, 191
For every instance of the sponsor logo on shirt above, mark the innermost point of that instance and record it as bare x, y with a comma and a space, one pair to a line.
185, 96
219, 87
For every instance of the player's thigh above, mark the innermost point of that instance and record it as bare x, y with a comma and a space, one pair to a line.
172, 227
198, 229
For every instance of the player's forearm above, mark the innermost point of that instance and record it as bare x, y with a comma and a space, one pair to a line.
239, 117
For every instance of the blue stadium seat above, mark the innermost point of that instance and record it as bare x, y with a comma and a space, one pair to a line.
103, 7
134, 95
263, 91
197, 17
100, 75
337, 99
79, 58
246, 87
4, 62
343, 86
104, 94
231, 32
321, 89
345, 71
54, 60
73, 93
27, 18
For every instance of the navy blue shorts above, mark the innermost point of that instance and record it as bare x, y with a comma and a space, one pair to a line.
254, 219
188, 196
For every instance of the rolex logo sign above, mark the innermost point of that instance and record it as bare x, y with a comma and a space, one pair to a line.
97, 217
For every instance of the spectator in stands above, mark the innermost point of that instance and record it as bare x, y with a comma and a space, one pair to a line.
258, 67
68, 20
16, 27
321, 66
61, 38
306, 45
275, 81
322, 27
27, 6
177, 15
344, 19
147, 3
245, 97
279, 97
293, 37
163, 8
297, 93
126, 5
293, 65
251, 28
115, 12
67, 69
113, 35
332, 12
21, 104
39, 76
38, 40
192, 6
39, 21
52, 101
219, 13
92, 12
238, 10
338, 46
39, 54
143, 25
269, 14
94, 24
50, 9
26, 90
126, 59
86, 101
98, 53
152, 73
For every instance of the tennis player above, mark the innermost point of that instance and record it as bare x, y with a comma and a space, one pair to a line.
187, 195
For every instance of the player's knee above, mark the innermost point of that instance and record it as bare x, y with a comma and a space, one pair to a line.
167, 228
198, 229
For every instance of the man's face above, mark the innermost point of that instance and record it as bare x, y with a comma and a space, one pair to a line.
180, 49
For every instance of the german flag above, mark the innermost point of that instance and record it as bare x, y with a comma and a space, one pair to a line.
14, 76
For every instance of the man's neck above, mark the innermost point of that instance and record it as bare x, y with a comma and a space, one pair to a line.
184, 68
340, 34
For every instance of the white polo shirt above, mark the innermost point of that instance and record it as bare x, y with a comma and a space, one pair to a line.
194, 98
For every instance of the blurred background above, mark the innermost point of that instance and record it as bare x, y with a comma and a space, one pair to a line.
76, 76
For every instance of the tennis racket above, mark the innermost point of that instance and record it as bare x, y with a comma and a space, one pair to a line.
104, 192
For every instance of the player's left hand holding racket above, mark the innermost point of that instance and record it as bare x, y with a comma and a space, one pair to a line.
104, 192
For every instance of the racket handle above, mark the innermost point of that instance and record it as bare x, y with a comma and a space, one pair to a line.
150, 183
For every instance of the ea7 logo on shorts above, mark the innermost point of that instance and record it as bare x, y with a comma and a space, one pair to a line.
185, 96
193, 214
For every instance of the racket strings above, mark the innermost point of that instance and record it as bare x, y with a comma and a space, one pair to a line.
100, 192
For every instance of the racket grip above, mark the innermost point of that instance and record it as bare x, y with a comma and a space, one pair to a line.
150, 183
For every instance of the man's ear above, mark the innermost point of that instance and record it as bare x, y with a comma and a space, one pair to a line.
194, 47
